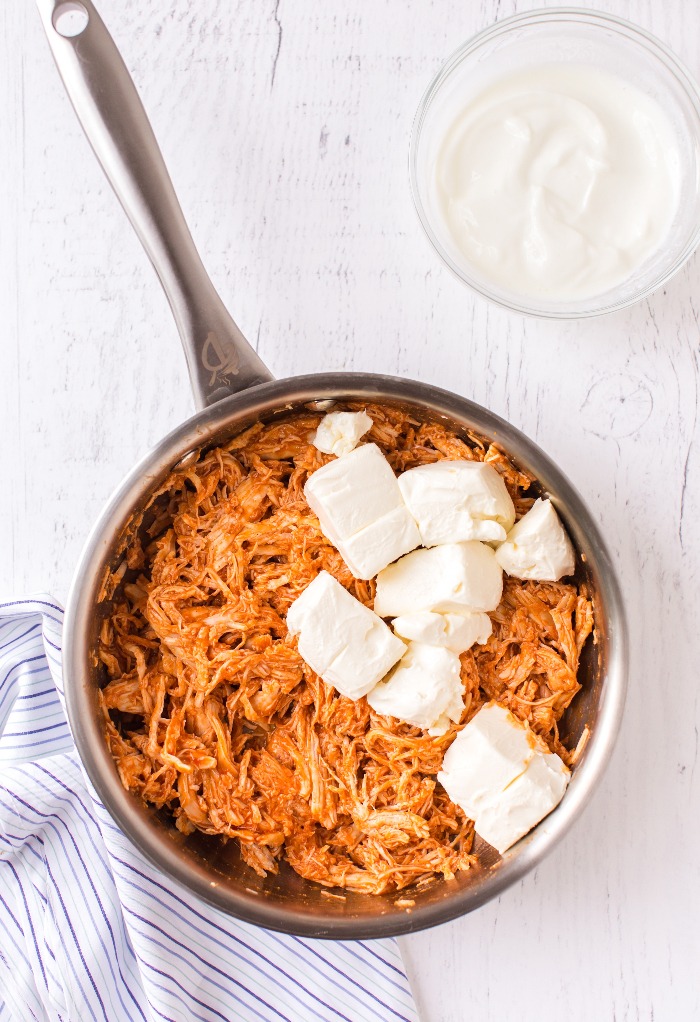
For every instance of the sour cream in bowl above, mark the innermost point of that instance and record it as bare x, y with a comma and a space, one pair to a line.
555, 163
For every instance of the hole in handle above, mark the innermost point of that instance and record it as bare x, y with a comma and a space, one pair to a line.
70, 19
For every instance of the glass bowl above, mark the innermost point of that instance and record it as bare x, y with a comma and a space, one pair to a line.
563, 35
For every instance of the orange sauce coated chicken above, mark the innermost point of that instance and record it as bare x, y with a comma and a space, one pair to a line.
211, 713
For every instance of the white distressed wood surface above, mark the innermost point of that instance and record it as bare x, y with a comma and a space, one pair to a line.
285, 125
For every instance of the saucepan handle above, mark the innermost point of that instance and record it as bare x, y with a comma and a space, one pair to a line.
219, 358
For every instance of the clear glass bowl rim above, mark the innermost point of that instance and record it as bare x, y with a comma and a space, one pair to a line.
640, 36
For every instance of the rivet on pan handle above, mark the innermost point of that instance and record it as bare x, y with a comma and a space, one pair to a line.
219, 358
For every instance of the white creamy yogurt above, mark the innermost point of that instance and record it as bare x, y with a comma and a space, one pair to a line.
558, 182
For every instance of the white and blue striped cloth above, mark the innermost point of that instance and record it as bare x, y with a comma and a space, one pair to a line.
89, 931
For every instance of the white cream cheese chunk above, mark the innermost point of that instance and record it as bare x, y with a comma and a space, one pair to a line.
352, 492
488, 755
340, 639
453, 577
458, 632
537, 546
361, 511
496, 771
424, 689
457, 500
339, 432
525, 802
378, 544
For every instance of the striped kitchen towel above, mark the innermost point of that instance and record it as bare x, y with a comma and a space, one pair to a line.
90, 931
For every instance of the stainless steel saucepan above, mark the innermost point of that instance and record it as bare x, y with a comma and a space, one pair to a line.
233, 388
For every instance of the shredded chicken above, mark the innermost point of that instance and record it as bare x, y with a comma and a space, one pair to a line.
211, 713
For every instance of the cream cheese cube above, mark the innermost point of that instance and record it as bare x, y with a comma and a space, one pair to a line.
489, 754
361, 511
340, 639
525, 802
537, 546
353, 492
339, 432
424, 689
454, 501
375, 546
502, 778
458, 632
453, 577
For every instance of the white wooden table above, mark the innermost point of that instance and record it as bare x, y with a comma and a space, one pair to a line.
285, 125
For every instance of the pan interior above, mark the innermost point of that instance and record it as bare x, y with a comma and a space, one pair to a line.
212, 866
